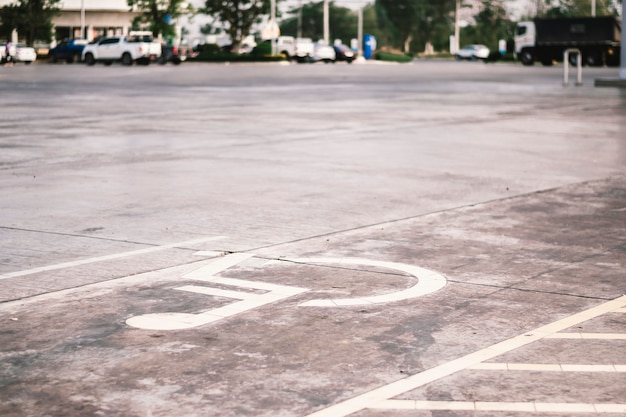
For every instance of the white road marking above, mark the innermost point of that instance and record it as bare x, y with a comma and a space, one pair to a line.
382, 395
427, 282
248, 300
499, 406
546, 367
587, 336
107, 257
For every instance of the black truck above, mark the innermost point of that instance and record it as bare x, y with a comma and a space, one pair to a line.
545, 40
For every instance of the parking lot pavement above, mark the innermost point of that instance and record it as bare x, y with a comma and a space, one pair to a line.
311, 240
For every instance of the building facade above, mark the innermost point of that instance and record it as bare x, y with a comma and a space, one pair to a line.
93, 18
90, 19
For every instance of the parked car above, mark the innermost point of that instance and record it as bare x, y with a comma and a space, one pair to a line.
69, 50
173, 54
128, 50
323, 52
295, 49
154, 45
25, 54
344, 53
473, 52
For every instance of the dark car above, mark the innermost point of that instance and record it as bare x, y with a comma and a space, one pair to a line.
344, 53
69, 50
174, 54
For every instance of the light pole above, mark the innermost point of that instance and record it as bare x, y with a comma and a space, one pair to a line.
593, 8
82, 19
457, 30
300, 20
360, 33
622, 70
326, 23
273, 25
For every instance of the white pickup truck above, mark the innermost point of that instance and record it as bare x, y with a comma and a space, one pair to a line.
127, 49
298, 49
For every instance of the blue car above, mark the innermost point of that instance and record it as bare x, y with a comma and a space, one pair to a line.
70, 50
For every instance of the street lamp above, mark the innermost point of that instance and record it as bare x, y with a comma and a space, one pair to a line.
593, 8
82, 19
454, 40
622, 70
360, 33
326, 23
273, 25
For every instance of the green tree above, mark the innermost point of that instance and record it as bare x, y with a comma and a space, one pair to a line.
566, 8
401, 19
31, 18
493, 23
238, 16
372, 26
342, 21
417, 22
159, 15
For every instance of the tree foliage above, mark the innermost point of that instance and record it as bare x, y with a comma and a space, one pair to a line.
492, 24
159, 15
411, 22
342, 22
31, 18
238, 16
566, 8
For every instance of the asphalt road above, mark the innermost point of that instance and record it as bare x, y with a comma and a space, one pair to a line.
429, 239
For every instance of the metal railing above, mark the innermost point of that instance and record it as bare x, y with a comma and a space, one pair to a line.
579, 65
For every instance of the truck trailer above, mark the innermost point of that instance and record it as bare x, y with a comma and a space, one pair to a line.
546, 40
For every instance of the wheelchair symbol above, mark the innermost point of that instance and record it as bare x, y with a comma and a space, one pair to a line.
427, 282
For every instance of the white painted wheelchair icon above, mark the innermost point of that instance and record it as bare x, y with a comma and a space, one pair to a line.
427, 282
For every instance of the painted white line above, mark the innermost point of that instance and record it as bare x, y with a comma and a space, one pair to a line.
217, 292
500, 406
218, 265
588, 336
588, 368
248, 300
210, 253
619, 310
107, 257
181, 321
548, 367
427, 282
374, 397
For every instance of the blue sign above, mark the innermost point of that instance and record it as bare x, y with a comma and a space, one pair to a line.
369, 45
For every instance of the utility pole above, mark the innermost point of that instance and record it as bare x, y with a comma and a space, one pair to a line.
593, 8
622, 71
326, 23
82, 19
360, 33
457, 30
273, 25
300, 20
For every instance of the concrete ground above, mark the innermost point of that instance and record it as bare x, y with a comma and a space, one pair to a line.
430, 239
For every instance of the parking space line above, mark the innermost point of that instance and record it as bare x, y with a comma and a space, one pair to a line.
381, 395
587, 336
107, 257
499, 406
547, 367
